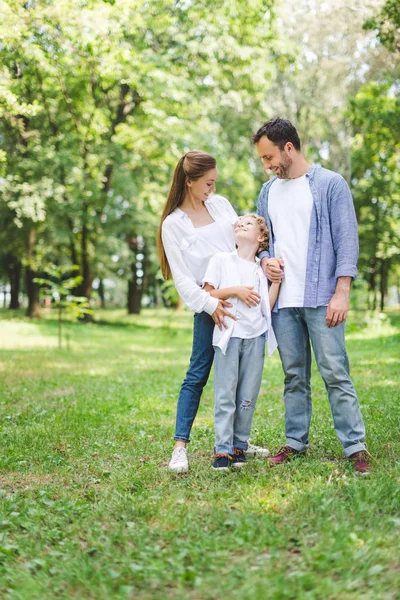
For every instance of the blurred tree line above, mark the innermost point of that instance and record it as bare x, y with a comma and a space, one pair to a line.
99, 99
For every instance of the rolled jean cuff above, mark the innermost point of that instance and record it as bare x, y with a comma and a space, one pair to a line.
359, 447
223, 450
296, 445
179, 438
241, 445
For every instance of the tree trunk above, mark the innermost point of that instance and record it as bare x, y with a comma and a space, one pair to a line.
87, 280
32, 288
101, 293
383, 287
372, 283
134, 293
136, 283
59, 328
14, 275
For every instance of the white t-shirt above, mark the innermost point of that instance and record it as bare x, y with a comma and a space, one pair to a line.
223, 272
190, 248
290, 204
250, 320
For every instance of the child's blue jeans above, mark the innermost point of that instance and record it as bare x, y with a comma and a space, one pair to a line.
237, 382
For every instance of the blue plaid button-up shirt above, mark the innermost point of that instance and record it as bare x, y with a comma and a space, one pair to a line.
333, 236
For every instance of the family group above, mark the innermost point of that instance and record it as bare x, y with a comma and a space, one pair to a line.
280, 277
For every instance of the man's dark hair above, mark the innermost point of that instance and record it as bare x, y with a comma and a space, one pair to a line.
279, 132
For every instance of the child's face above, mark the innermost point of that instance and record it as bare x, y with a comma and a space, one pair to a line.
247, 229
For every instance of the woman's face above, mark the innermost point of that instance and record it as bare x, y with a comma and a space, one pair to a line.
203, 187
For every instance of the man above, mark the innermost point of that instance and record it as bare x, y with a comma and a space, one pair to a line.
313, 230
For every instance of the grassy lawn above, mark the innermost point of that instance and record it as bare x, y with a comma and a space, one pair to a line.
88, 509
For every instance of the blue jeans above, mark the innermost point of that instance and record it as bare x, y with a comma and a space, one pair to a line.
197, 374
294, 328
237, 381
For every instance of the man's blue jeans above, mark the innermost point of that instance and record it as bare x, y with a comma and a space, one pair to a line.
197, 375
237, 382
294, 328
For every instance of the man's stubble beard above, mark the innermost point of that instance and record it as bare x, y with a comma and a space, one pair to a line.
284, 167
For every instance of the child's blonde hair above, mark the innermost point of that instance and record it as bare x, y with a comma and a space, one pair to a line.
264, 245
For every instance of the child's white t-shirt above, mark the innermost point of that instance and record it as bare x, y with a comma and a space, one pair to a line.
290, 204
250, 320
223, 272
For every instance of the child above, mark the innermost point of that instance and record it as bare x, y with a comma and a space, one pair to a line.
239, 348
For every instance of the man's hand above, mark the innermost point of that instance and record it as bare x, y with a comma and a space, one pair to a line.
338, 307
273, 268
219, 314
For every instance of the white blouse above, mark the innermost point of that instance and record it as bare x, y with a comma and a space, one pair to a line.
190, 248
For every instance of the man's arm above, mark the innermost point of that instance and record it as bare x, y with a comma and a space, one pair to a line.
345, 241
343, 224
261, 210
338, 307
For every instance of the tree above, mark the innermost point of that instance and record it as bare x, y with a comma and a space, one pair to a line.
387, 22
375, 118
330, 57
101, 98
57, 287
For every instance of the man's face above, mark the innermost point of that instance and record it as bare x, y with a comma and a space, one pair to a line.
275, 159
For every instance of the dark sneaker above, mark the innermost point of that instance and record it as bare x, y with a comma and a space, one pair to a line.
361, 461
222, 462
239, 458
285, 454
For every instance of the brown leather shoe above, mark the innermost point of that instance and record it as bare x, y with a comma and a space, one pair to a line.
361, 461
285, 454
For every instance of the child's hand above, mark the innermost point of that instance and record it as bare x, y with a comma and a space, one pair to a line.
247, 295
276, 263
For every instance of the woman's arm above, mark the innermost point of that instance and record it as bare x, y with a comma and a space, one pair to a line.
244, 293
194, 297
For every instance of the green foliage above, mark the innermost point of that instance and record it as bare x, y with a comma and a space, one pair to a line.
387, 22
89, 510
375, 117
98, 102
58, 288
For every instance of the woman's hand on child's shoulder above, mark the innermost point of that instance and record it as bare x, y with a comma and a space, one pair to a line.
248, 295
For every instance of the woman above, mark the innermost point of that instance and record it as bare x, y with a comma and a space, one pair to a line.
195, 224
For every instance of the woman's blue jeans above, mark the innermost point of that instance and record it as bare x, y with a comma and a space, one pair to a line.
197, 375
294, 329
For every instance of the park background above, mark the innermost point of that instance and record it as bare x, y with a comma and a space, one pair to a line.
98, 100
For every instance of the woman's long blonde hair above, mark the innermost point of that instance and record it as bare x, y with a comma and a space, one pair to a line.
192, 165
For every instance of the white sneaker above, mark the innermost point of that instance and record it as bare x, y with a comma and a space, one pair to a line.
256, 451
179, 462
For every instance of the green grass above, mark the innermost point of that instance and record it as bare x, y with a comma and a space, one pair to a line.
88, 509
